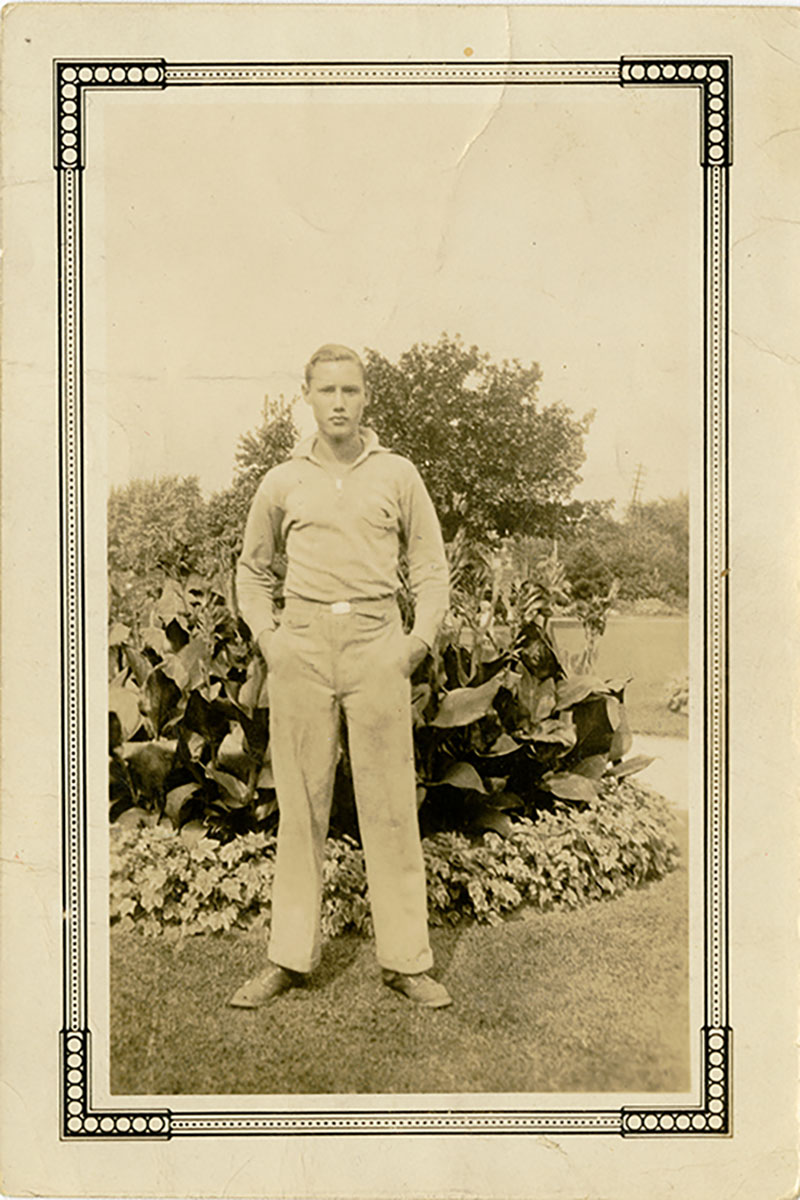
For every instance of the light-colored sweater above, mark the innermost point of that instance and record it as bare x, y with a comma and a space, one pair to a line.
342, 528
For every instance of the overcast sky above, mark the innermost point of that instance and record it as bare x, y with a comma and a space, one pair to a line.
231, 231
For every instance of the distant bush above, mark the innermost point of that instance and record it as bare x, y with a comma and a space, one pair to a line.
156, 531
677, 694
650, 607
182, 884
647, 553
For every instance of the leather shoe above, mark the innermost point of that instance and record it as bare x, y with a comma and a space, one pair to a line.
272, 982
421, 989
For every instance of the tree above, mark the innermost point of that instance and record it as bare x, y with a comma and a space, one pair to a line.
156, 529
492, 457
671, 518
264, 447
155, 525
666, 522
271, 443
648, 553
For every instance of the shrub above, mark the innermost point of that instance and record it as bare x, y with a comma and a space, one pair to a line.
156, 530
647, 552
503, 721
677, 694
159, 880
176, 883
188, 725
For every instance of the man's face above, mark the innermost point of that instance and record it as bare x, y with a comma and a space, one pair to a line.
337, 397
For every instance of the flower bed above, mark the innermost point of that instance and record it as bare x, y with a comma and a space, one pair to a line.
163, 882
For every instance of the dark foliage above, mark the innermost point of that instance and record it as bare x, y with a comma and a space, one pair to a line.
492, 455
504, 725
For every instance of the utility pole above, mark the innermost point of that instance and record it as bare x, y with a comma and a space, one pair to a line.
636, 492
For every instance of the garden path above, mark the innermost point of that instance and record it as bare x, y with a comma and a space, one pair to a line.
669, 773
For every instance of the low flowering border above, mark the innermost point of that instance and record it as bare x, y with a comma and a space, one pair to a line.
166, 883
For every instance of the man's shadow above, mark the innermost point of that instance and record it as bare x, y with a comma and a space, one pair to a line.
340, 953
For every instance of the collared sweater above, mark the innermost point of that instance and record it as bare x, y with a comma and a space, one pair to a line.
341, 527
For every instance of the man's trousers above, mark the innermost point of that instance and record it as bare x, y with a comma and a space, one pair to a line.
322, 662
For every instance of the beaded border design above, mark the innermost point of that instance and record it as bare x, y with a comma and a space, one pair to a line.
712, 78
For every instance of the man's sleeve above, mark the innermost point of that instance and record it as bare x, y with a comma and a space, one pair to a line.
255, 579
427, 562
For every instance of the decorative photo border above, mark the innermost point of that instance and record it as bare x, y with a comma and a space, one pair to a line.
711, 77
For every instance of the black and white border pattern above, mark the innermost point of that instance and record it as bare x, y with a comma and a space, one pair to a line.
712, 79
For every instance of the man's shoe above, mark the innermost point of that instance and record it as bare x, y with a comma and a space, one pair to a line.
423, 990
272, 982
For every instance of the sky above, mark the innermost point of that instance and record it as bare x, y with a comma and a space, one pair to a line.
229, 232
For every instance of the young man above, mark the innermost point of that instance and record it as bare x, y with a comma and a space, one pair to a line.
340, 509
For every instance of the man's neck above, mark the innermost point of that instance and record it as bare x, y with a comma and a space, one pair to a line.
337, 451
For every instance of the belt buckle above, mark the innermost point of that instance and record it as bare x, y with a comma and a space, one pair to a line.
341, 606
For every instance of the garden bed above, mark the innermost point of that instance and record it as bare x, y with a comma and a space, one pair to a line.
172, 883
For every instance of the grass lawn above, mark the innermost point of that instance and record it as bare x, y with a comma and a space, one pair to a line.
652, 650
590, 1000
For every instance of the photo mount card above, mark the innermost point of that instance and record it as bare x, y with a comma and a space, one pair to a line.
78, 87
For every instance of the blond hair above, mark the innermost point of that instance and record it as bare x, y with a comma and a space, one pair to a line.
331, 352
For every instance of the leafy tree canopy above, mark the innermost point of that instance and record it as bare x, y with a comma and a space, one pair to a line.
156, 525
271, 443
669, 517
648, 553
259, 450
492, 456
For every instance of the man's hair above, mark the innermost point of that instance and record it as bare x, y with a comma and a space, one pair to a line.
331, 352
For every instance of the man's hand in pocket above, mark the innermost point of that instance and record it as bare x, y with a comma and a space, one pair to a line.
265, 642
415, 650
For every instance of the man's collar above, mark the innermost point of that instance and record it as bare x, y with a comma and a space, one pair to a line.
305, 447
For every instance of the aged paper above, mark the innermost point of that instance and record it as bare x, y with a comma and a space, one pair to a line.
192, 195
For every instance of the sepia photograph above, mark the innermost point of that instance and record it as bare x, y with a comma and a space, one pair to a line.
402, 385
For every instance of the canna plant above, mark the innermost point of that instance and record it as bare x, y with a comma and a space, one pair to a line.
504, 728
188, 721
502, 724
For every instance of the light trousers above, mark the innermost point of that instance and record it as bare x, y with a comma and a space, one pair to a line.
322, 663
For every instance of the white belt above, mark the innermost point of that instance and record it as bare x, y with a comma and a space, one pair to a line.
341, 607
